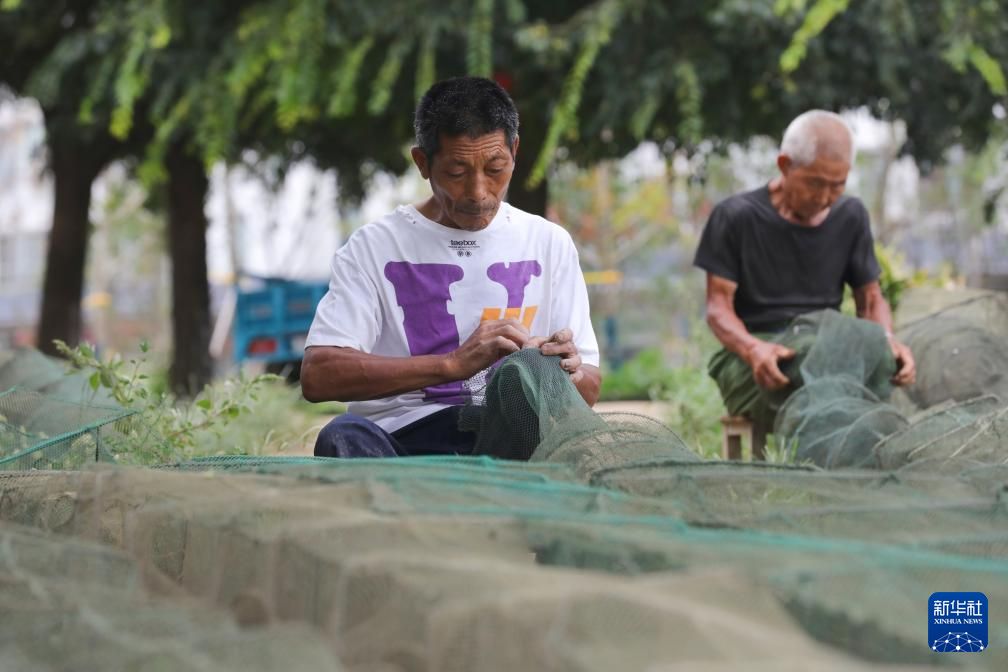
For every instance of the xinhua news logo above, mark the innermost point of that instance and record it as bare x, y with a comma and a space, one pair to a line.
957, 622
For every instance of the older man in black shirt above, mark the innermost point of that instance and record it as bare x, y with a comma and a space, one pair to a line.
784, 250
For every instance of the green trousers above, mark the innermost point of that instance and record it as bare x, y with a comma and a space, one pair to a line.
846, 346
741, 394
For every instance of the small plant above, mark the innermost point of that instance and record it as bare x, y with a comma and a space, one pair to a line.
165, 428
643, 377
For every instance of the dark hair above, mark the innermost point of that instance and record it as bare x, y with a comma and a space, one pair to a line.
473, 106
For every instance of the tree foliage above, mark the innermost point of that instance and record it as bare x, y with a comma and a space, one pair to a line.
338, 81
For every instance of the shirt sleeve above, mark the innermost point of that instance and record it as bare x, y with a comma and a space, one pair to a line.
862, 265
349, 314
718, 251
570, 304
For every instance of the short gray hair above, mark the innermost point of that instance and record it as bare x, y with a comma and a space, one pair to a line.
802, 141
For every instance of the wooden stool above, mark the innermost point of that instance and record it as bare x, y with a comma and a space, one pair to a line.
733, 429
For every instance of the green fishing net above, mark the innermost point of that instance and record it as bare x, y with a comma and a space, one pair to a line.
41, 431
476, 564
530, 410
573, 541
961, 349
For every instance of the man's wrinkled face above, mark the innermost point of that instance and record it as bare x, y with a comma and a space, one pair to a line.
808, 190
469, 177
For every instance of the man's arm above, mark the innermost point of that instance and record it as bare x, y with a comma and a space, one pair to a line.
589, 383
871, 305
346, 374
761, 356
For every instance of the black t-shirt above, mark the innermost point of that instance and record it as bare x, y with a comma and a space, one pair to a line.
782, 269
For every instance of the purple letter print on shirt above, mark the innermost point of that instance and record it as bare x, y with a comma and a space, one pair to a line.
422, 293
514, 277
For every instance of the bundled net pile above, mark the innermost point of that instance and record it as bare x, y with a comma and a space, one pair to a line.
51, 420
600, 544
73, 604
838, 414
420, 564
531, 411
42, 431
950, 438
29, 369
961, 349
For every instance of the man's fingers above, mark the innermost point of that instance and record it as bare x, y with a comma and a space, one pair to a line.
577, 376
563, 336
571, 364
562, 349
497, 325
907, 373
776, 377
535, 342
785, 353
507, 345
518, 336
764, 379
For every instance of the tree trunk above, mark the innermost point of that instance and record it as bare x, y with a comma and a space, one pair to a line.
74, 168
191, 366
532, 134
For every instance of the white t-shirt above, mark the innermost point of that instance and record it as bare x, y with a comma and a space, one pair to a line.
406, 286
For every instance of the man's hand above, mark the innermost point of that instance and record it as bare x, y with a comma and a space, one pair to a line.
763, 357
492, 340
906, 368
561, 343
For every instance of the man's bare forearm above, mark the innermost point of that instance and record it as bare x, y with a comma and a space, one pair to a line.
730, 330
590, 383
346, 374
872, 305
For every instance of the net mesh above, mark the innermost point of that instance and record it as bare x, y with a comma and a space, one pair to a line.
961, 347
531, 410
572, 541
475, 565
42, 431
72, 604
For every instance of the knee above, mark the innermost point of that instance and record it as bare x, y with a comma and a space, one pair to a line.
351, 436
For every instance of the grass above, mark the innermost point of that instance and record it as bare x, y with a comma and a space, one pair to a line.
280, 421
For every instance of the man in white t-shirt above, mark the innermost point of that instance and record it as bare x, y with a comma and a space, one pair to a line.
423, 301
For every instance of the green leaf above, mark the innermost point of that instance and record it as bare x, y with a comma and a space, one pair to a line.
381, 89
144, 346
205, 404
344, 100
989, 68
816, 20
426, 66
598, 34
86, 350
94, 380
479, 56
161, 37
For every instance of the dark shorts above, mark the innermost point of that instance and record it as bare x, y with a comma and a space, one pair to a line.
354, 436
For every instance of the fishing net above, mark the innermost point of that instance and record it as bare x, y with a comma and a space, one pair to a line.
831, 412
29, 369
950, 438
961, 350
530, 410
420, 564
72, 604
42, 431
836, 415
572, 541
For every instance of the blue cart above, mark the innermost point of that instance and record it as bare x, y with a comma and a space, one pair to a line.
271, 322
